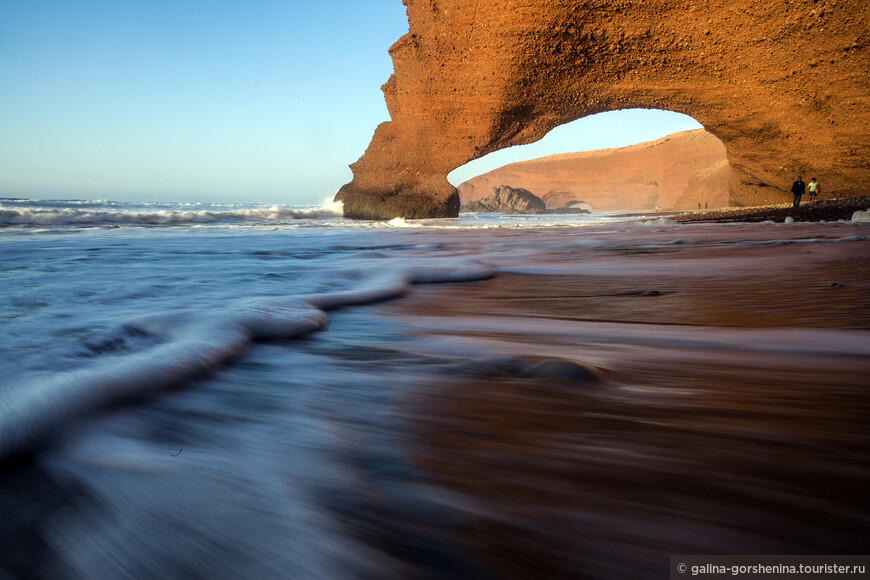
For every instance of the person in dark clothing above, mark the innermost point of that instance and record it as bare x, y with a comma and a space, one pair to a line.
797, 189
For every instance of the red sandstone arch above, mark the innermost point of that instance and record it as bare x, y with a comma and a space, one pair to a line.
783, 84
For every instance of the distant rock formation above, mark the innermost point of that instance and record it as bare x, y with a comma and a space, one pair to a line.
506, 199
513, 200
553, 198
675, 172
782, 83
578, 205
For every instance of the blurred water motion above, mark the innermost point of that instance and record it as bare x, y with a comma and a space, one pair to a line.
607, 404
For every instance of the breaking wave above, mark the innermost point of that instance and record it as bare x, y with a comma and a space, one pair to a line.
47, 216
188, 343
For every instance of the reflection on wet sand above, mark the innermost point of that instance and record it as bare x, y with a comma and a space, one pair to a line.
729, 417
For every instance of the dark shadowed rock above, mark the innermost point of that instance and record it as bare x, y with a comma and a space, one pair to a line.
563, 370
507, 199
834, 209
533, 368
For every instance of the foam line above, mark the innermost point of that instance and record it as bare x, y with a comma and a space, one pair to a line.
69, 216
31, 409
392, 285
194, 343
375, 289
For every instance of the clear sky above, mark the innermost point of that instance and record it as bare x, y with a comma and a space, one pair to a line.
225, 100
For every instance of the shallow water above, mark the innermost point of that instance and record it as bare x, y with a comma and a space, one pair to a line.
281, 400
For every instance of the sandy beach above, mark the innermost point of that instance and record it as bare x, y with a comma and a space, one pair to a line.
696, 398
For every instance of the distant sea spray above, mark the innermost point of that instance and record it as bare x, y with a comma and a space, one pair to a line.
35, 213
21, 212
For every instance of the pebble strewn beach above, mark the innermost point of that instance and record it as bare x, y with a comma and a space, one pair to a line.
824, 210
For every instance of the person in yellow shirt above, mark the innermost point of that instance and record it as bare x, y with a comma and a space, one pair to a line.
814, 189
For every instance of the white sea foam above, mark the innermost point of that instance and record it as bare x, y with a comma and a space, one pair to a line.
196, 342
70, 216
27, 213
332, 206
656, 222
861, 216
188, 343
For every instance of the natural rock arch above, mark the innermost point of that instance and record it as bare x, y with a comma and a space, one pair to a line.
783, 84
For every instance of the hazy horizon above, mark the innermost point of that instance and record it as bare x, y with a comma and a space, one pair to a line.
225, 101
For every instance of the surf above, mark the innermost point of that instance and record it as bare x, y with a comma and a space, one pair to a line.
187, 344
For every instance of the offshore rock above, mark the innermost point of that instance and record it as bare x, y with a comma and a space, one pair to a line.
506, 199
782, 84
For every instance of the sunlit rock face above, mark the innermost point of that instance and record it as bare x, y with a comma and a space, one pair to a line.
783, 84
676, 172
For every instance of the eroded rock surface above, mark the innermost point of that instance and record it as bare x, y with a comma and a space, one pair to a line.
516, 200
782, 83
675, 172
506, 199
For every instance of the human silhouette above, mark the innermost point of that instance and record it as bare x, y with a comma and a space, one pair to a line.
797, 189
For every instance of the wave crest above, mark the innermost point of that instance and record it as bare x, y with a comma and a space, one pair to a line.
70, 216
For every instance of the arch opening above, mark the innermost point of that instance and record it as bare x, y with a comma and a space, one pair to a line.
624, 160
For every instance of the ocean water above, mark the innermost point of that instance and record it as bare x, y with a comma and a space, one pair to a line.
245, 391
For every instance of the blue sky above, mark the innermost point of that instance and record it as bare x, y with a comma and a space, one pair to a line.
265, 101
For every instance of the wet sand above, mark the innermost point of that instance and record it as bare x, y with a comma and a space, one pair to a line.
596, 423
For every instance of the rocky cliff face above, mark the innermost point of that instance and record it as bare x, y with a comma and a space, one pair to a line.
676, 172
782, 83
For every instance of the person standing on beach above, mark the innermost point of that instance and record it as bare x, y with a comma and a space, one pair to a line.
814, 188
797, 189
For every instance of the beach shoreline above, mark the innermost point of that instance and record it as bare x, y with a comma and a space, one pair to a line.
822, 210
616, 393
